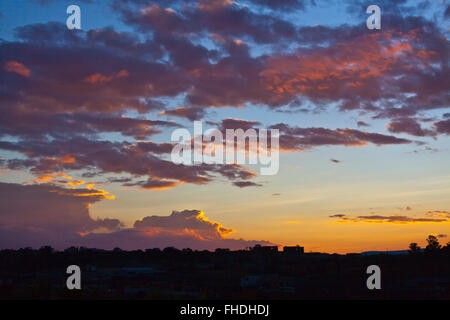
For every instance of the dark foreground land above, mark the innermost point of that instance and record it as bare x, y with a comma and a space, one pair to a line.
223, 274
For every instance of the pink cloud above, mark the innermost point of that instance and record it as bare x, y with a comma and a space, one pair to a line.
16, 67
53, 215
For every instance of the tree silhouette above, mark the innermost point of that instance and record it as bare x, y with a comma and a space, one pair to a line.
414, 248
433, 244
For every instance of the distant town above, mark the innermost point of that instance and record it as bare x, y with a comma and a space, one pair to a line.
260, 272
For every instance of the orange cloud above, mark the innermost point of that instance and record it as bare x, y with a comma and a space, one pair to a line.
97, 193
191, 222
49, 178
67, 159
16, 67
362, 58
55, 178
99, 78
438, 213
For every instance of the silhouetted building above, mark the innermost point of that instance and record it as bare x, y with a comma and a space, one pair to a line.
294, 250
265, 249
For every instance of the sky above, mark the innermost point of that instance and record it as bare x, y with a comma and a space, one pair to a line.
86, 118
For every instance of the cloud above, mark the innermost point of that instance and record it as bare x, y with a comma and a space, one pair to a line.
443, 126
322, 74
59, 101
442, 236
361, 123
16, 67
38, 125
295, 138
154, 184
139, 159
410, 56
47, 2
401, 219
339, 73
225, 18
46, 214
192, 220
232, 123
99, 78
282, 5
438, 213
132, 239
192, 113
124, 79
409, 126
337, 216
397, 219
245, 184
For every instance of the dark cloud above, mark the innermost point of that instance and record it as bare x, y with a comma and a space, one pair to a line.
132, 239
338, 216
47, 2
294, 138
362, 124
185, 112
388, 219
409, 126
443, 126
52, 215
224, 18
282, 5
337, 72
389, 7
37, 125
234, 124
245, 184
65, 75
270, 4
64, 92
447, 12
153, 184
53, 212
411, 57
139, 159
397, 219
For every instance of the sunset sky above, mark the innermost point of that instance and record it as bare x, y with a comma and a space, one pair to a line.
86, 118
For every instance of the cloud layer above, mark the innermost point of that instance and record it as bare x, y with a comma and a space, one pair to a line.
57, 100
402, 219
49, 214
